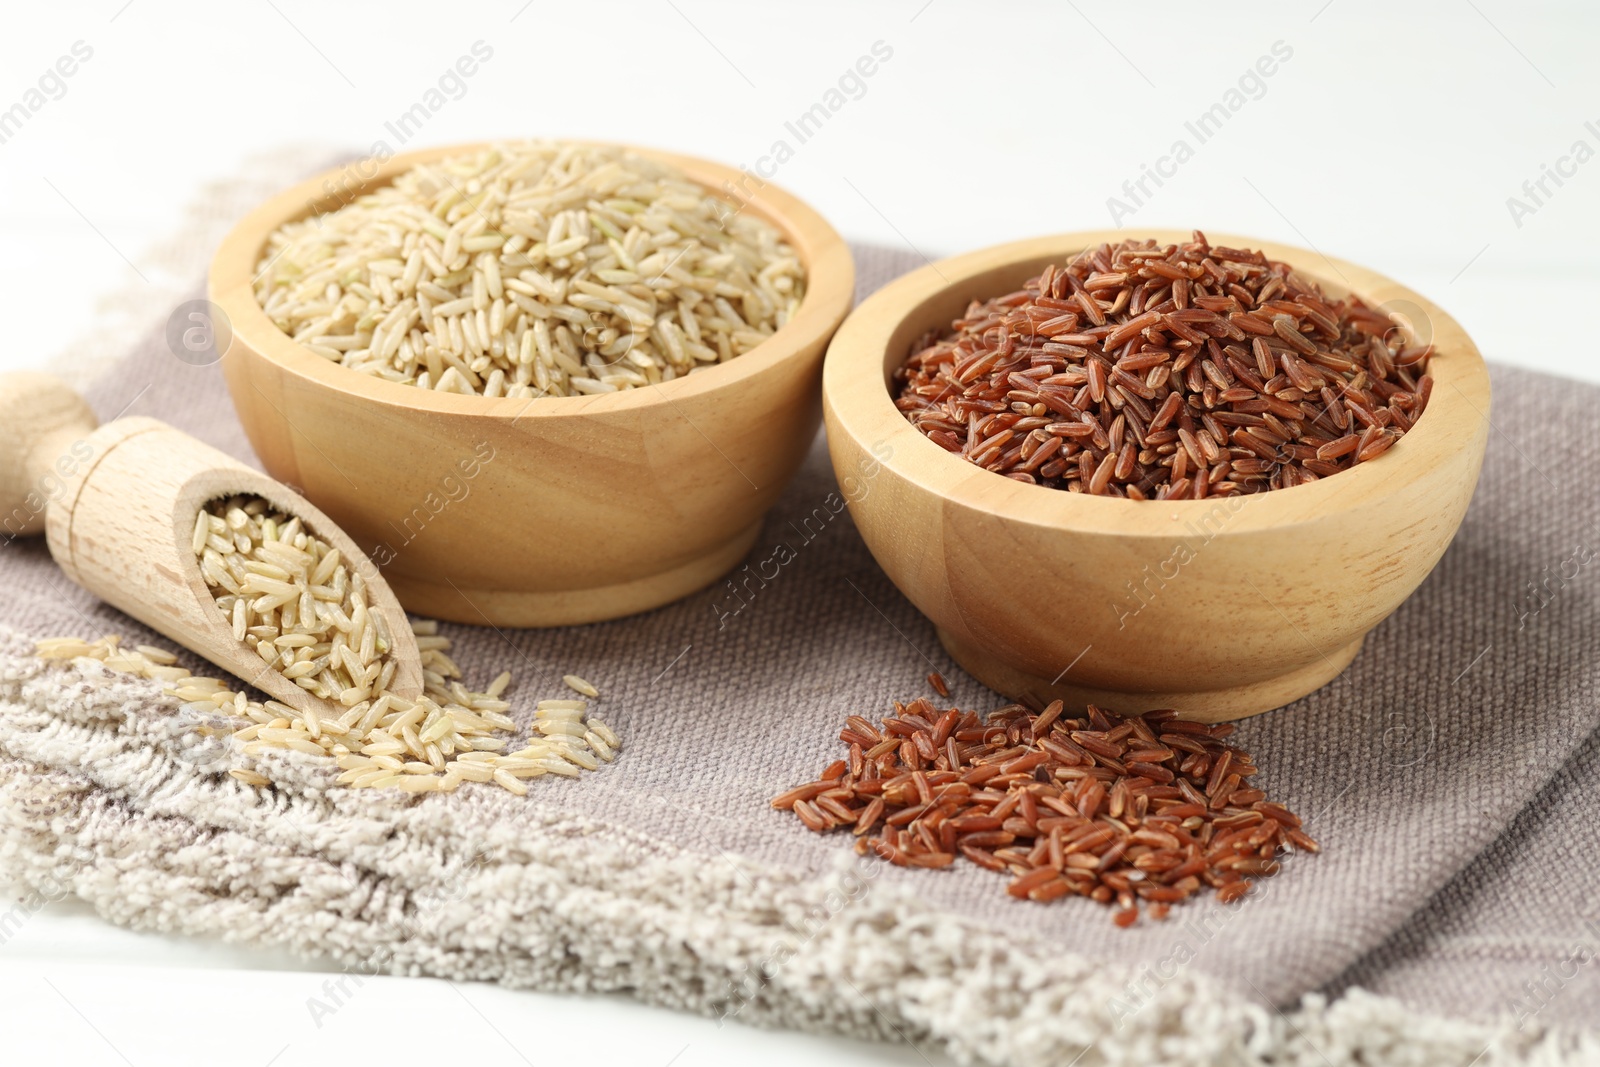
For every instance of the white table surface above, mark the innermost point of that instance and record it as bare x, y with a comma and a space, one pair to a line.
1390, 136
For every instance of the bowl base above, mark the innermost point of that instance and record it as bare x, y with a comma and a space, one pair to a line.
1212, 705
452, 602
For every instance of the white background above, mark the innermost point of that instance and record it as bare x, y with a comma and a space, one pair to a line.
1393, 137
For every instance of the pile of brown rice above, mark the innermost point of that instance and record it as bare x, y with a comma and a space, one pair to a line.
1167, 372
292, 598
449, 736
531, 269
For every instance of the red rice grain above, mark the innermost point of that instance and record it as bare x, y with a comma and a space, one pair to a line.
1167, 372
1140, 811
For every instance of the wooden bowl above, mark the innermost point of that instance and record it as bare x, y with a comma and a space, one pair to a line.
542, 512
1220, 608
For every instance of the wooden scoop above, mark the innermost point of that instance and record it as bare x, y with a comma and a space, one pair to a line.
118, 504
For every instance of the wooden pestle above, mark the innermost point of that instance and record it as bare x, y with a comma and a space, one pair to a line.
117, 504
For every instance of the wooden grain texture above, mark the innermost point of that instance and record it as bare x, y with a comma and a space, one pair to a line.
1220, 608
43, 429
542, 512
124, 527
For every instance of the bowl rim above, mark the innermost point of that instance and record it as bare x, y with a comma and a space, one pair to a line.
830, 289
857, 402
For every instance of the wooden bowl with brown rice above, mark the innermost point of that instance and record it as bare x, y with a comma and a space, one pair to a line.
535, 509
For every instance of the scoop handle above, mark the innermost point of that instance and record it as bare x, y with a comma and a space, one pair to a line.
44, 425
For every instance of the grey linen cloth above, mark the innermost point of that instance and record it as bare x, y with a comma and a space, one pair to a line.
1450, 775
